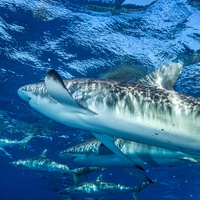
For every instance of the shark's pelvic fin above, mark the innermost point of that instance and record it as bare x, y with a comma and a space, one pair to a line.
164, 77
57, 90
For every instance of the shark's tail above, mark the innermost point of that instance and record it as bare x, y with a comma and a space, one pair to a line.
79, 172
25, 141
138, 188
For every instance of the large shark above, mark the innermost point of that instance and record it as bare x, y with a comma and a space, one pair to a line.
94, 153
100, 187
148, 111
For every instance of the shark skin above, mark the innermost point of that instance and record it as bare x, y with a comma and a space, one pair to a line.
148, 111
94, 153
100, 187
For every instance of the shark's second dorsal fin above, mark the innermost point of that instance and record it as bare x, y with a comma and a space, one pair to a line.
57, 90
44, 154
164, 77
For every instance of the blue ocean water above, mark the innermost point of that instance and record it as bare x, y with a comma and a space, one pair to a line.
89, 39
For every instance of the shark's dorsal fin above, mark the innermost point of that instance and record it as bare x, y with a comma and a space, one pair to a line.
99, 178
164, 77
44, 154
57, 90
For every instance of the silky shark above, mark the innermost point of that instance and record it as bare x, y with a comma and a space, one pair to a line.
100, 187
148, 111
42, 163
94, 153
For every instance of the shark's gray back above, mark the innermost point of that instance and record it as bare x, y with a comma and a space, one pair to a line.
90, 146
134, 99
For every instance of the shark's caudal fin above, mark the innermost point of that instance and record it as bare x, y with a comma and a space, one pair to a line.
25, 141
5, 153
138, 188
79, 172
108, 141
164, 77
57, 90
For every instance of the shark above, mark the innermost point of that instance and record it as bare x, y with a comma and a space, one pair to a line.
147, 111
10, 143
42, 163
94, 153
100, 187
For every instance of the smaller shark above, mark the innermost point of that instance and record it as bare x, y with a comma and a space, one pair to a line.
42, 163
10, 143
94, 153
99, 188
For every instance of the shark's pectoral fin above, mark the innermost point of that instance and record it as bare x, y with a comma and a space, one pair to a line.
164, 77
108, 141
57, 90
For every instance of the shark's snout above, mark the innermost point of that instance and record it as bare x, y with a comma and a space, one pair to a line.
13, 163
23, 94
